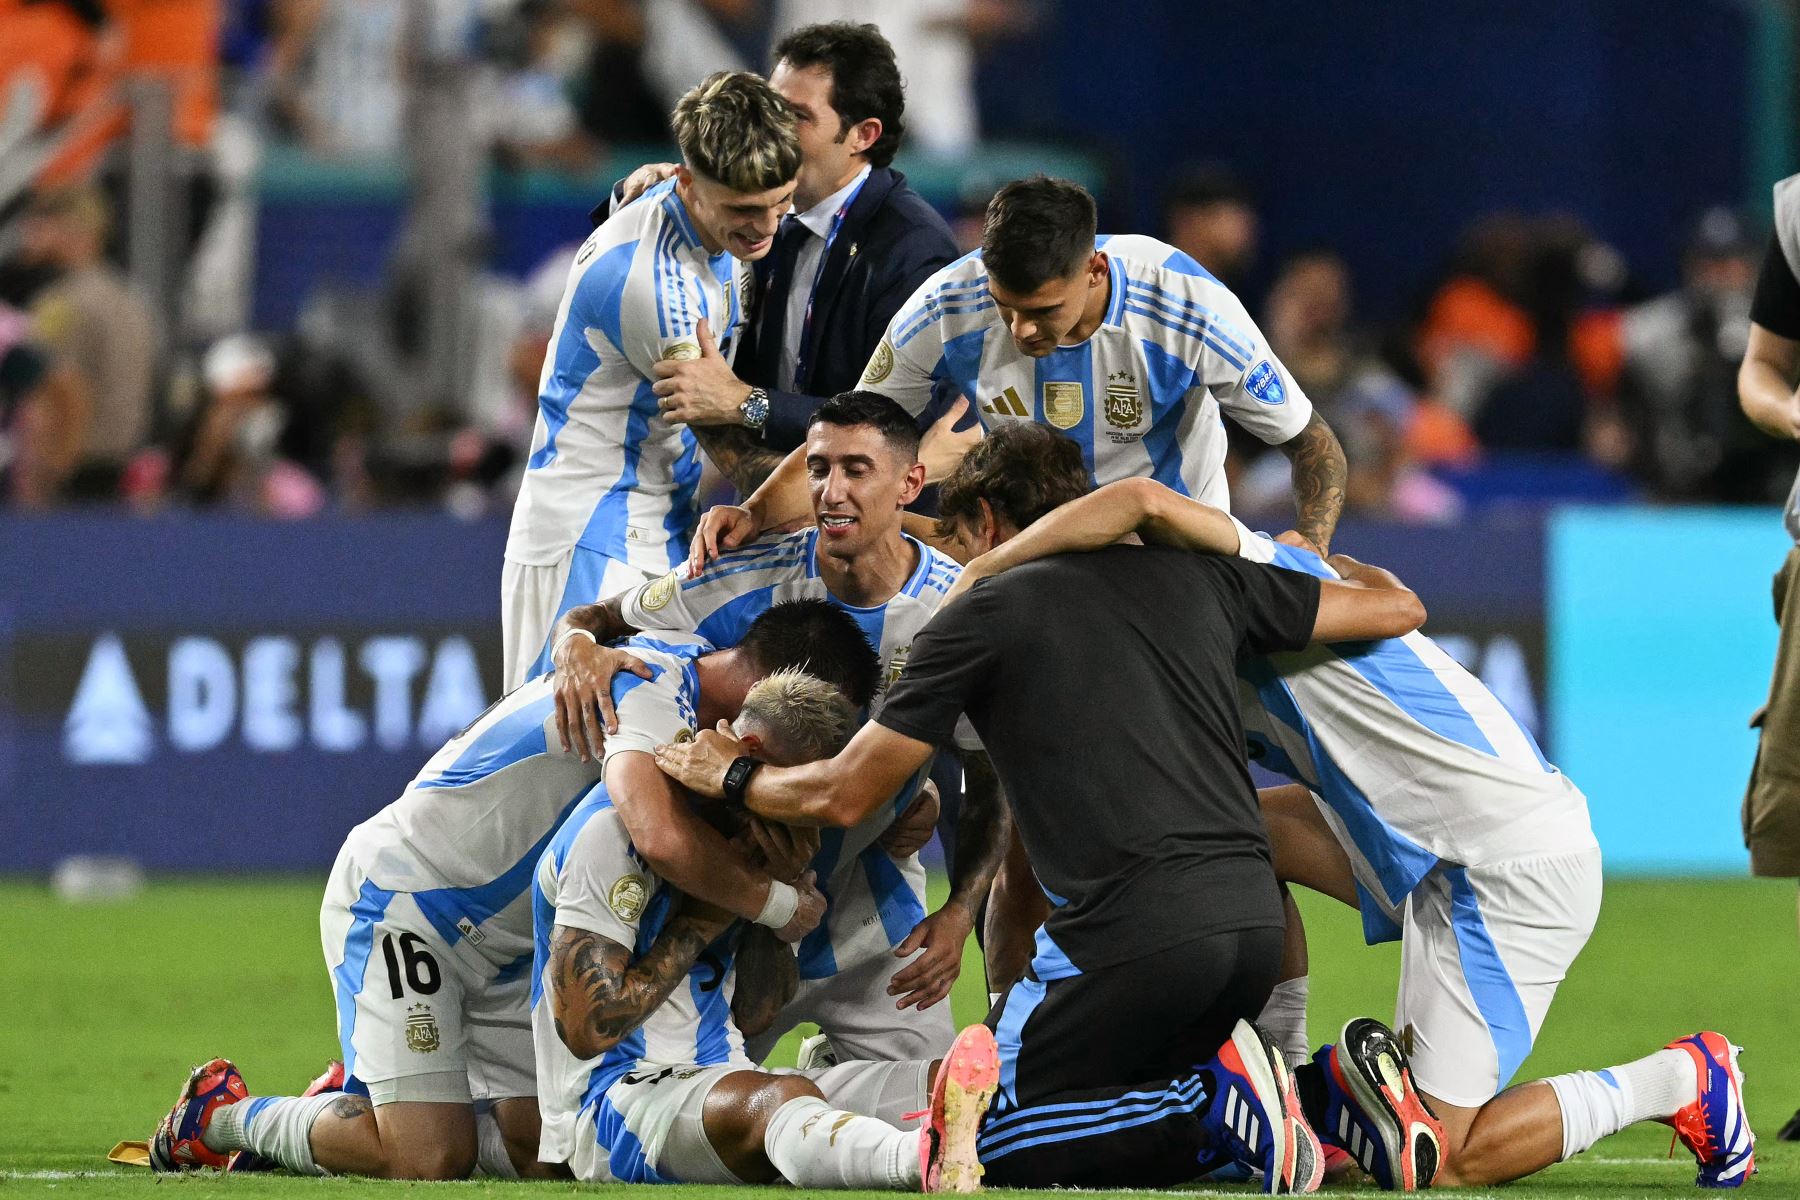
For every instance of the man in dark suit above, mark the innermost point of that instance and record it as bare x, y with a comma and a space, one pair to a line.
857, 245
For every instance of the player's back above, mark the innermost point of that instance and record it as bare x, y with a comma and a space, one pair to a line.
466, 834
590, 877
1418, 761
606, 470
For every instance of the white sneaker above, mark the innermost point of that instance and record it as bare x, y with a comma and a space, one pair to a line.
816, 1054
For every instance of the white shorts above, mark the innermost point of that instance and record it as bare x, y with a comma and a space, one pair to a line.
853, 1009
649, 1127
419, 1020
533, 598
1482, 952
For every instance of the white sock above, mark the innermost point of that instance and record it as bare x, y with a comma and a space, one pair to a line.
490, 1154
1598, 1103
815, 1145
277, 1127
1284, 1019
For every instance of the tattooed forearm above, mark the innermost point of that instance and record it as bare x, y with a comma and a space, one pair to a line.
1320, 474
740, 456
600, 994
983, 830
603, 620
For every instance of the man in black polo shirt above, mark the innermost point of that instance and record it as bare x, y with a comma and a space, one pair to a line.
1103, 686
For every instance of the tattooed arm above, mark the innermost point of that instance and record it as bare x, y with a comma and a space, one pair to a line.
1320, 473
739, 454
768, 975
599, 995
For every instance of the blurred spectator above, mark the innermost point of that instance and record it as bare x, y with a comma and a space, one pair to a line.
1475, 328
337, 70
40, 404
525, 108
1208, 213
230, 454
614, 98
935, 43
91, 319
1689, 440
1308, 324
57, 60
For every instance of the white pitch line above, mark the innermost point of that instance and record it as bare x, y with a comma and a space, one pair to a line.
54, 1174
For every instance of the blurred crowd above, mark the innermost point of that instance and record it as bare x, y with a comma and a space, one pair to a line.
1534, 364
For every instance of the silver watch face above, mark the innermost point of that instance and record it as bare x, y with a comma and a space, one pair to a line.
756, 408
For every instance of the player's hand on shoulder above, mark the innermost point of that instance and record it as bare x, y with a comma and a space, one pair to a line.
810, 912
722, 527
913, 827
583, 690
643, 179
936, 944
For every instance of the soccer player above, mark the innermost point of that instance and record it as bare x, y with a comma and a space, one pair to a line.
643, 1069
1103, 687
1426, 805
862, 460
608, 493
1124, 343
426, 925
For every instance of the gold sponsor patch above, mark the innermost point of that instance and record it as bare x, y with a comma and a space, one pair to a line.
421, 1029
881, 365
1064, 404
628, 896
682, 352
659, 593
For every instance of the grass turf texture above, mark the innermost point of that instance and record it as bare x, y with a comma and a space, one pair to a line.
107, 1005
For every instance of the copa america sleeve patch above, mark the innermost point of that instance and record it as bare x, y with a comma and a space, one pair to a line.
1264, 382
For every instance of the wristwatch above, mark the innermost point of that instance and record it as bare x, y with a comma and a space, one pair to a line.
755, 410
737, 777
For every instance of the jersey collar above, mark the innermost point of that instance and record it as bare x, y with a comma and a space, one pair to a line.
1115, 305
914, 584
684, 224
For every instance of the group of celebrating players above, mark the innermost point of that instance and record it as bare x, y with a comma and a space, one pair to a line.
693, 821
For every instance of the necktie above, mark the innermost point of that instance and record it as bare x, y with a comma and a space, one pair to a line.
788, 239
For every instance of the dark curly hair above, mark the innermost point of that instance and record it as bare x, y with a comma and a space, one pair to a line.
1023, 470
865, 80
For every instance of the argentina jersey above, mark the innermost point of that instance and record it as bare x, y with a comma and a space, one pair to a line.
1142, 396
465, 836
1415, 761
875, 901
606, 471
591, 878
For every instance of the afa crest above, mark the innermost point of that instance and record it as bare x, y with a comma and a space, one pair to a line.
1124, 405
1065, 403
421, 1029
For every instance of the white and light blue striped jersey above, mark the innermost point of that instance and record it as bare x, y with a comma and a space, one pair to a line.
466, 835
1417, 762
606, 471
1142, 396
592, 878
720, 605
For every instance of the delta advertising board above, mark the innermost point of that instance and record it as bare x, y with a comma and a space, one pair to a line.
204, 693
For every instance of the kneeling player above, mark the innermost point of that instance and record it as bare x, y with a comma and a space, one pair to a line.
427, 926
1492, 893
643, 1069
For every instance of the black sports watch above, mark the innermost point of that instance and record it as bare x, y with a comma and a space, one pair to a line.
755, 410
737, 777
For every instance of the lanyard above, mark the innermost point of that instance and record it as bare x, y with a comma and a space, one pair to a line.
837, 223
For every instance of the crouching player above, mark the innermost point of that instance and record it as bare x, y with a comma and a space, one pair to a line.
643, 1071
427, 926
1426, 805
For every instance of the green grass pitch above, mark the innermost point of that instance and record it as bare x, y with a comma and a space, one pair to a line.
105, 1006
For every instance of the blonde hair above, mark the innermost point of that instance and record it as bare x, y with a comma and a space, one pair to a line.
800, 717
735, 129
